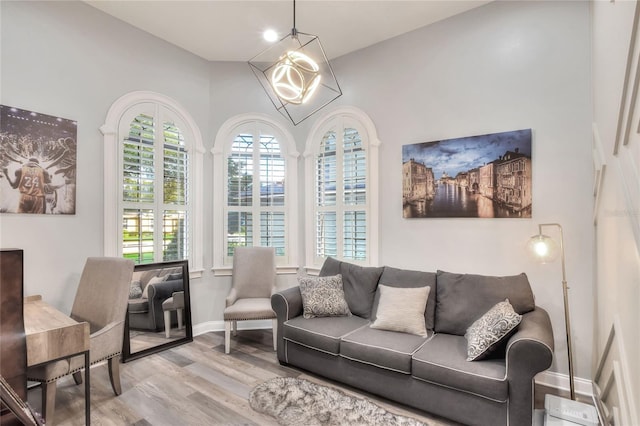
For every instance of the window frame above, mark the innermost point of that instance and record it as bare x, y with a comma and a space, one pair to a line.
119, 118
253, 123
339, 119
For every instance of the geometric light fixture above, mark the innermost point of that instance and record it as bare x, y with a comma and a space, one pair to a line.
296, 75
544, 249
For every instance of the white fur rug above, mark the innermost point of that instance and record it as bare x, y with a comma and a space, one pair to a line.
297, 402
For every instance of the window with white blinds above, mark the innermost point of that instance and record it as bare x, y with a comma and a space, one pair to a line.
342, 195
256, 192
155, 190
153, 180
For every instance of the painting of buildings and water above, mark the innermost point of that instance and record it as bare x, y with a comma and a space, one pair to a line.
486, 176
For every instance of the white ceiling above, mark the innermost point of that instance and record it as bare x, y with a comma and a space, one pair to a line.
219, 30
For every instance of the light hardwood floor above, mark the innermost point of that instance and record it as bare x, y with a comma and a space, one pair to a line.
195, 384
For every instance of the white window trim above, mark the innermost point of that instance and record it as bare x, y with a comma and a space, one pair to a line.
220, 150
113, 172
372, 144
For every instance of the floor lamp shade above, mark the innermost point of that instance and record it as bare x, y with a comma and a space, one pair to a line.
296, 75
545, 249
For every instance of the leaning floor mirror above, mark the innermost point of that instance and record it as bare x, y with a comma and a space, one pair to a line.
159, 311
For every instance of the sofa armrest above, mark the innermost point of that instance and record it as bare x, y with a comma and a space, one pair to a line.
286, 304
529, 351
163, 290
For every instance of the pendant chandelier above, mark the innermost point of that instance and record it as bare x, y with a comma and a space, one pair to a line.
296, 75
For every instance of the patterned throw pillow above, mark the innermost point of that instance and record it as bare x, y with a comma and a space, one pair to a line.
486, 333
402, 309
135, 292
323, 297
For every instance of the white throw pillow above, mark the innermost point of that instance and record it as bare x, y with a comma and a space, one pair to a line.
488, 331
402, 309
154, 280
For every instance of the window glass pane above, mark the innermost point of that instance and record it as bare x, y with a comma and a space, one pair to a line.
174, 235
175, 166
326, 171
326, 238
240, 172
355, 235
137, 235
272, 231
138, 174
239, 230
354, 168
272, 168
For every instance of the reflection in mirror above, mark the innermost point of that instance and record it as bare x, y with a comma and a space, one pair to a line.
159, 312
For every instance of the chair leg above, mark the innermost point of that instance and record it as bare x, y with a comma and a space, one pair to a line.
274, 325
235, 328
77, 377
167, 323
114, 374
179, 314
227, 336
48, 401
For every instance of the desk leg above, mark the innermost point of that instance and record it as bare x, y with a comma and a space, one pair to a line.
87, 388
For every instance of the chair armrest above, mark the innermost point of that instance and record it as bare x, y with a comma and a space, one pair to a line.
178, 298
529, 351
103, 344
231, 298
286, 304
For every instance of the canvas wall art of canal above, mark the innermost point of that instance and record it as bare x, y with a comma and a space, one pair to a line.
485, 176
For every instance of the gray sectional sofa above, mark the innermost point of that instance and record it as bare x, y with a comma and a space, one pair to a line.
429, 372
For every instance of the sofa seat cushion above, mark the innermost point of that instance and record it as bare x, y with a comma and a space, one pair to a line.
138, 306
443, 360
322, 333
385, 349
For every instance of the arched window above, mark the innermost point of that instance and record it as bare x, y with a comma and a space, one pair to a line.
153, 181
342, 189
256, 161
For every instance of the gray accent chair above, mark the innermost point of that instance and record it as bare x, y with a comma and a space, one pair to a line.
253, 283
101, 300
429, 373
174, 303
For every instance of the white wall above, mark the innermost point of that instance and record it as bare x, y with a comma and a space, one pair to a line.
70, 60
618, 257
504, 66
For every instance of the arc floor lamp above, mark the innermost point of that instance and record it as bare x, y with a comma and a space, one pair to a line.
546, 250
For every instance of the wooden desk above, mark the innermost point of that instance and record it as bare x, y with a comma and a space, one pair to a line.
52, 336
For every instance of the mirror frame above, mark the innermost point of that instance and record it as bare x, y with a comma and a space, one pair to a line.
126, 344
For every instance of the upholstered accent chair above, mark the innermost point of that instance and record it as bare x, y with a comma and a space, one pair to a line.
101, 300
174, 303
253, 283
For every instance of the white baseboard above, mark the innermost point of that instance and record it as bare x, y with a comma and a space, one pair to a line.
208, 326
561, 381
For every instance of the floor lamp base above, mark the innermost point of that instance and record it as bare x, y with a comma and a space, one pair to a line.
565, 412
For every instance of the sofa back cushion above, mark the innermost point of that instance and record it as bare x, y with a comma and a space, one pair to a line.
394, 277
359, 283
463, 298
